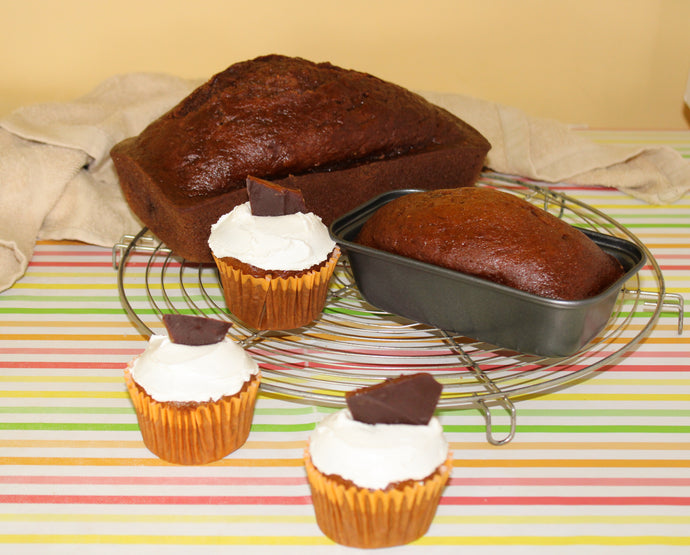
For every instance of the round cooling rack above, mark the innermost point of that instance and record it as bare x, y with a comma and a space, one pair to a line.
354, 344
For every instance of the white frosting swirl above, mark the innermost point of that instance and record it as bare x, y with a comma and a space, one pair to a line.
376, 455
292, 242
173, 372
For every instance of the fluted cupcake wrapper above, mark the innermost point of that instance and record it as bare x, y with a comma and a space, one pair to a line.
275, 302
360, 517
194, 435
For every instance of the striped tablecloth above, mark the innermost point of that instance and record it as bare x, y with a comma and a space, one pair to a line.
603, 464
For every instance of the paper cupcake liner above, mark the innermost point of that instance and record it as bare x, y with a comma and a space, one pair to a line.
196, 434
360, 517
275, 302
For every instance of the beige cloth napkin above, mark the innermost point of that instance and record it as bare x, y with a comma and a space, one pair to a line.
550, 151
57, 180
56, 177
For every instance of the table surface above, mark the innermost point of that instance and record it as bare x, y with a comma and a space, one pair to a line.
602, 464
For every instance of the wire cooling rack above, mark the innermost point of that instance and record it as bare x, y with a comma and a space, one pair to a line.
354, 344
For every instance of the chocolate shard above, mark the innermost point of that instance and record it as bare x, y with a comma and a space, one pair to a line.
270, 199
407, 399
194, 330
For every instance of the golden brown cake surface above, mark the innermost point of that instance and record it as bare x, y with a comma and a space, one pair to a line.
493, 235
261, 273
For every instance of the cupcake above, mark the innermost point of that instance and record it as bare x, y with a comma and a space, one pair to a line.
193, 391
274, 258
377, 469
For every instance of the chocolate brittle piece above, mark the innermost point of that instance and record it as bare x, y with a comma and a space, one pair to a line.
194, 330
269, 199
410, 399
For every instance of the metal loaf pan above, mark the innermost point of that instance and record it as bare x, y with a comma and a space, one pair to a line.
474, 307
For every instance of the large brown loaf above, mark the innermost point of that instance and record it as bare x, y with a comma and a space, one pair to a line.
493, 235
340, 136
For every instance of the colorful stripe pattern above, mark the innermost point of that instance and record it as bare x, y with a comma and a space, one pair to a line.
604, 463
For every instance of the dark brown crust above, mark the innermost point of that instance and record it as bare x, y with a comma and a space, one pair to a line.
261, 273
400, 486
339, 136
494, 235
194, 405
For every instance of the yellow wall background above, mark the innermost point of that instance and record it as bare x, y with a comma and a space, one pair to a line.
602, 63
